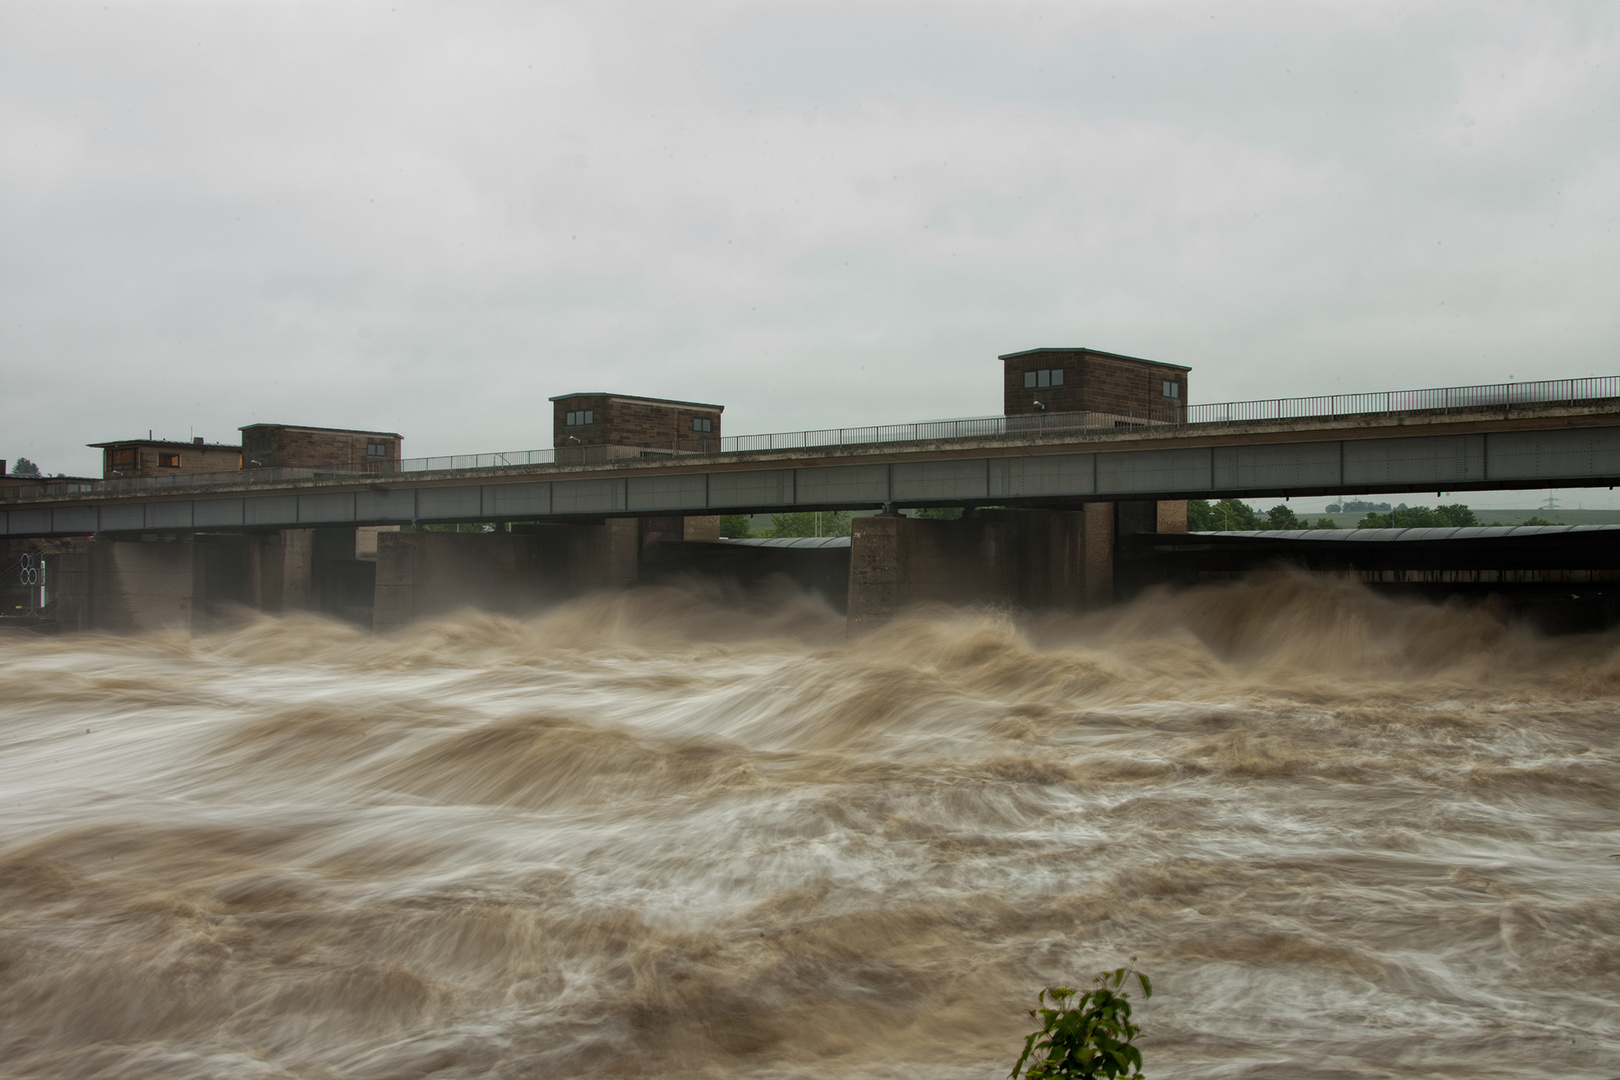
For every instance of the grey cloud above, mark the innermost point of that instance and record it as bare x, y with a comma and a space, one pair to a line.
431, 219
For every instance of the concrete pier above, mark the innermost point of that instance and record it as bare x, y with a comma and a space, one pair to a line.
1032, 559
130, 586
429, 573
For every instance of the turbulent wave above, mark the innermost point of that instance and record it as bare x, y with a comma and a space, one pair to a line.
686, 832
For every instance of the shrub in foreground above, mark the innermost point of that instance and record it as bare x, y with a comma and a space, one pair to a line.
1085, 1037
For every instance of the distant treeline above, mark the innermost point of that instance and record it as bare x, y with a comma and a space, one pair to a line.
1228, 515
801, 523
1235, 515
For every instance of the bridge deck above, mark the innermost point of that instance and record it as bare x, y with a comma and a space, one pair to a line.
1487, 447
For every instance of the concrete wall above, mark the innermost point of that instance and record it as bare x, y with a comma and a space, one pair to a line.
17, 596
1048, 566
280, 569
700, 529
429, 573
1029, 558
823, 571
130, 586
365, 540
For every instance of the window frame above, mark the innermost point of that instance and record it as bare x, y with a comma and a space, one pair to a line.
376, 449
1043, 378
703, 425
579, 418
168, 460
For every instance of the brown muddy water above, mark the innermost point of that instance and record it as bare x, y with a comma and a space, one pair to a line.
680, 834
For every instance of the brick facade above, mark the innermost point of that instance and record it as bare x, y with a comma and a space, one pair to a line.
1094, 381
286, 446
160, 457
618, 420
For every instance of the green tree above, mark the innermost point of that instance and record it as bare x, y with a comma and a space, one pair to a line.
940, 513
1325, 523
1235, 515
1456, 514
736, 526
1282, 516
1085, 1036
1539, 521
810, 523
1226, 515
1402, 516
23, 467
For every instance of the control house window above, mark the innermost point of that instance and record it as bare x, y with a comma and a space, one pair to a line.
259, 444
581, 419
1042, 379
168, 461
702, 424
123, 459
1172, 389
376, 449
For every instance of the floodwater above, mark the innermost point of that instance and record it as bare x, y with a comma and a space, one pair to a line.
677, 833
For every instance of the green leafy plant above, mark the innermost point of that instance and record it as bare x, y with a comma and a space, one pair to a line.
1085, 1037
809, 523
736, 526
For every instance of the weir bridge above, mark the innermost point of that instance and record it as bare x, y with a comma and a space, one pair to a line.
1055, 494
1520, 435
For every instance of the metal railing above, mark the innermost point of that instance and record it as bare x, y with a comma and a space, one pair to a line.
1439, 399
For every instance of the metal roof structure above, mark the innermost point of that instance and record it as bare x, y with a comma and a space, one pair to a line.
1471, 532
790, 542
334, 430
1093, 352
633, 397
179, 444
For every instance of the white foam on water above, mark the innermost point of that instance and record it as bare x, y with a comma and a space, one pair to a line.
679, 833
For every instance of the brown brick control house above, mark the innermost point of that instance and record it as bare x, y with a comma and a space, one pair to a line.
631, 425
288, 446
1089, 380
161, 457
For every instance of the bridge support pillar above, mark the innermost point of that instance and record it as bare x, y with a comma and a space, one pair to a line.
130, 585
705, 529
280, 568
1029, 558
1172, 516
430, 573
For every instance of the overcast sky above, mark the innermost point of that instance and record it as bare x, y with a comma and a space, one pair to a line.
429, 218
